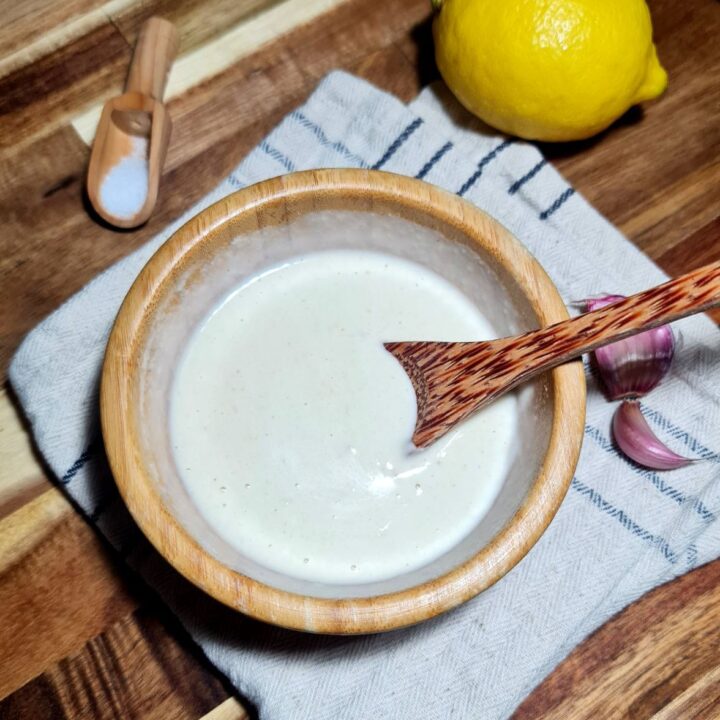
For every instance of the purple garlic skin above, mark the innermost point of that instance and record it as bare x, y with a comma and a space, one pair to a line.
635, 438
632, 367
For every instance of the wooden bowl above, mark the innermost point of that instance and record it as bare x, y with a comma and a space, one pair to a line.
259, 226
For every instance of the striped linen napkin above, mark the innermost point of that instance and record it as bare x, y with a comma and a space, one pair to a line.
620, 531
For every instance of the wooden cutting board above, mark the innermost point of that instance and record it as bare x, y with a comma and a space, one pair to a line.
659, 658
81, 638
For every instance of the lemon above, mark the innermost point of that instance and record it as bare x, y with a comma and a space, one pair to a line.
548, 69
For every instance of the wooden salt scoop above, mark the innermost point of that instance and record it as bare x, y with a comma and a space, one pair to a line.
453, 379
137, 114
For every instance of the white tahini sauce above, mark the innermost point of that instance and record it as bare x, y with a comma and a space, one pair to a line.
290, 423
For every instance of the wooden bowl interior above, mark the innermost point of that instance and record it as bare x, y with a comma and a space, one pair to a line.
248, 240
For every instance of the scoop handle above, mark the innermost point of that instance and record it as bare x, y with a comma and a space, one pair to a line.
154, 55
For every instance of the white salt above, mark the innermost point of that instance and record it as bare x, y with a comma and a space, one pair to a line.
124, 189
242, 406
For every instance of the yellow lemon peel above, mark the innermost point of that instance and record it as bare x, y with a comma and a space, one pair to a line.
548, 69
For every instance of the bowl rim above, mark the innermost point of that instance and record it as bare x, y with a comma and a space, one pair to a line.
338, 615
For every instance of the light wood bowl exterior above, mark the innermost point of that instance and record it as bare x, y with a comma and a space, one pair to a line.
279, 199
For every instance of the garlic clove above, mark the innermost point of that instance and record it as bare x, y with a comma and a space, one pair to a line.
595, 303
632, 367
635, 438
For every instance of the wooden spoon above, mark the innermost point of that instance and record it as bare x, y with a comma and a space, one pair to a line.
135, 122
453, 379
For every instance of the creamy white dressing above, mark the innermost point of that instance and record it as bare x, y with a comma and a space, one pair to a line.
290, 423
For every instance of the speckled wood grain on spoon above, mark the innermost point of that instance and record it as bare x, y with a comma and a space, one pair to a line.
454, 379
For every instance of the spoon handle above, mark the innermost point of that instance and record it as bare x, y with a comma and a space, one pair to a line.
154, 54
685, 295
452, 380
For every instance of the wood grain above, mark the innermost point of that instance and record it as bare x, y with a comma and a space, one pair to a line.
454, 379
214, 126
133, 669
660, 651
153, 56
219, 54
22, 479
49, 247
83, 59
700, 700
55, 575
40, 97
70, 615
228, 710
